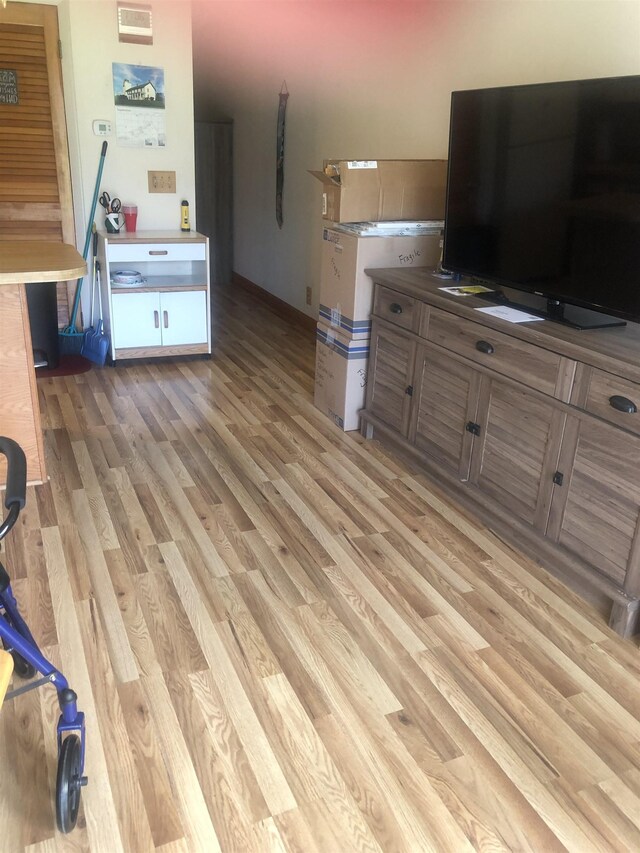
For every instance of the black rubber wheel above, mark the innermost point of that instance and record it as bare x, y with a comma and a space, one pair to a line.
69, 783
21, 667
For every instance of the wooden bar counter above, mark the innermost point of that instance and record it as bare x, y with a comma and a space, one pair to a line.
26, 262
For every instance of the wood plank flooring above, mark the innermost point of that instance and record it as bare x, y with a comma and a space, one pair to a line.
286, 640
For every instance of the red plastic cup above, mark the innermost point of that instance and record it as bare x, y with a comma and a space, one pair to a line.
130, 212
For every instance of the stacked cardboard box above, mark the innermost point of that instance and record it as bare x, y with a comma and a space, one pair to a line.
372, 203
382, 190
341, 375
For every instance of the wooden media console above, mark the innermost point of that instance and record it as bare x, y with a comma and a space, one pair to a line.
534, 426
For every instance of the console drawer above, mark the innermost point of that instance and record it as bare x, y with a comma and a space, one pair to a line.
397, 308
527, 363
136, 252
607, 396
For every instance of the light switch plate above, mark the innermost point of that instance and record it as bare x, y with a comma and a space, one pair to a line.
162, 182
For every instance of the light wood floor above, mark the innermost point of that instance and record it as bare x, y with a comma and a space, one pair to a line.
285, 640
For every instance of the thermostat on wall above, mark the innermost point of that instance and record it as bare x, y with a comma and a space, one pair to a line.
134, 23
101, 127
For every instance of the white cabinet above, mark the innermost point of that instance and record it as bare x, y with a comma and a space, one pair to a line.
155, 319
168, 312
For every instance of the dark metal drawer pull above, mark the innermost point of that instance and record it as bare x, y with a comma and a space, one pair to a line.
158, 252
623, 404
485, 347
395, 308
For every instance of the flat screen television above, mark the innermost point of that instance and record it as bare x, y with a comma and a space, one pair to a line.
543, 195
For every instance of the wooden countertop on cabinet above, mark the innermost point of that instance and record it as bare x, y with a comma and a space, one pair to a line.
616, 350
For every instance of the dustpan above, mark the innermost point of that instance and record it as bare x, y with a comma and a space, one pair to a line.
95, 343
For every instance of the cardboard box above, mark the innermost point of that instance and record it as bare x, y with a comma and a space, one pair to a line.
346, 292
341, 376
375, 190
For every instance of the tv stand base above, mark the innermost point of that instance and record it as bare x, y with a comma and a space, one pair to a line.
531, 426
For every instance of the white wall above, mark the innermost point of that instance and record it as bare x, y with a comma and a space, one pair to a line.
88, 32
370, 80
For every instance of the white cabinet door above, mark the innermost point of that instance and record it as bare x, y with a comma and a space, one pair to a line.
136, 320
184, 317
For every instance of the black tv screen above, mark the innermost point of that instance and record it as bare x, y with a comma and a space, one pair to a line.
543, 191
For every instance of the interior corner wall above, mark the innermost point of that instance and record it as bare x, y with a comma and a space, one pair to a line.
370, 79
89, 38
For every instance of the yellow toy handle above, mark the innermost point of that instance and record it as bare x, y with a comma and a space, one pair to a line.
6, 668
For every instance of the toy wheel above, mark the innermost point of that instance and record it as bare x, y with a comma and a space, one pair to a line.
69, 783
21, 667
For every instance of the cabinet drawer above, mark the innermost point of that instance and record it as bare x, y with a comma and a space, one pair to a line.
533, 366
608, 396
119, 252
397, 308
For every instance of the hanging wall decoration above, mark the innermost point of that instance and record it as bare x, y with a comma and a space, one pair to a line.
8, 87
138, 94
282, 108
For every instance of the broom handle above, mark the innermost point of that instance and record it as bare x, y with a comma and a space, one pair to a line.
93, 271
87, 242
99, 283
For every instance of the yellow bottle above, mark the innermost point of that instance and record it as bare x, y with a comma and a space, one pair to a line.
184, 216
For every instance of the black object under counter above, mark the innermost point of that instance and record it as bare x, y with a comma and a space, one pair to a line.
42, 302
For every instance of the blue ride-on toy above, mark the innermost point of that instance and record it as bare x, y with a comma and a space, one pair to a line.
29, 660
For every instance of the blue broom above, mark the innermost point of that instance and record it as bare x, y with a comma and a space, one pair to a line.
70, 338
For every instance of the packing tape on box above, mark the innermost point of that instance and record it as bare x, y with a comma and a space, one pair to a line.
335, 317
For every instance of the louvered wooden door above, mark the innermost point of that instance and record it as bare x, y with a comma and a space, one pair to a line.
516, 451
445, 401
596, 511
391, 366
35, 184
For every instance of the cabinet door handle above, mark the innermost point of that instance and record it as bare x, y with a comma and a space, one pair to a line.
156, 319
158, 252
485, 347
623, 404
165, 319
395, 308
